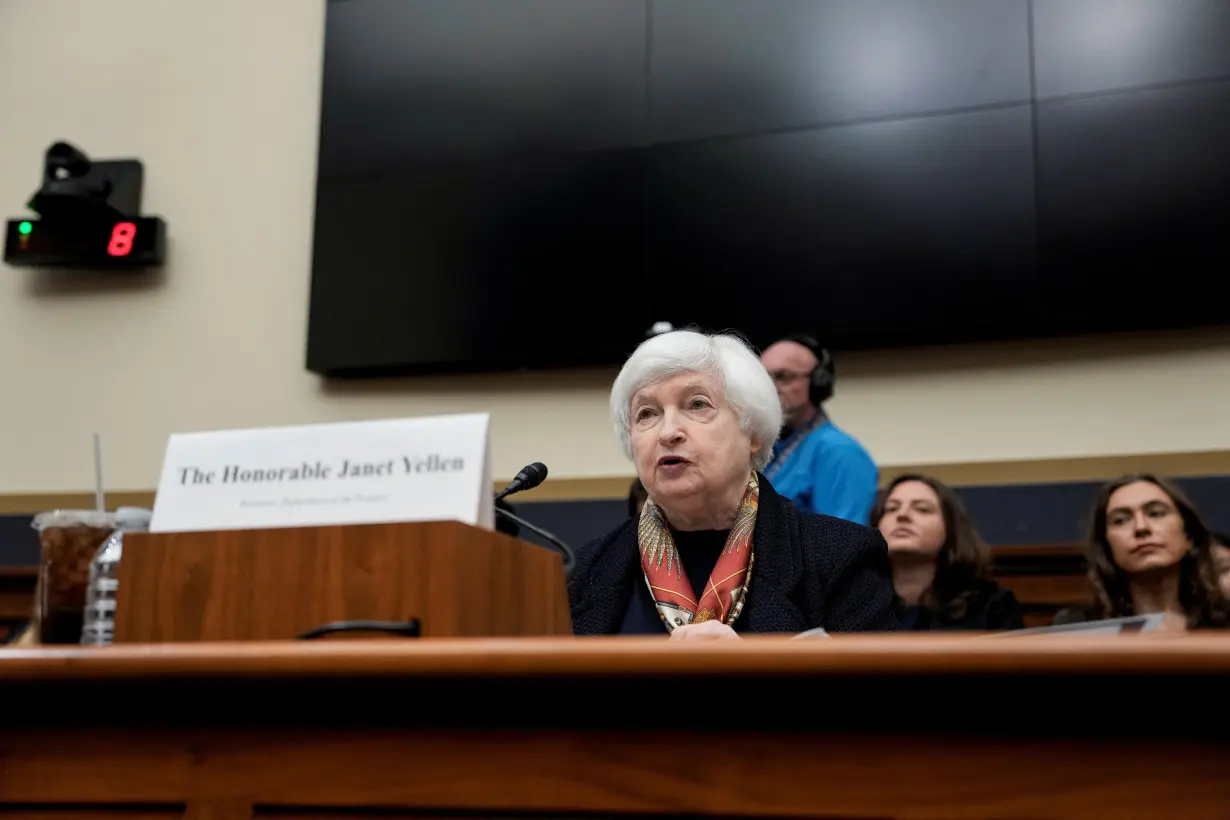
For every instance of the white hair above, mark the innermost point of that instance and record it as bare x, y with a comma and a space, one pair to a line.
746, 385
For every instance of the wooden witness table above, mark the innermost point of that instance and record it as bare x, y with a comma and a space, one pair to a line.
859, 726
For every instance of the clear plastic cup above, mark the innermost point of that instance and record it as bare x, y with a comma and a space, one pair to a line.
68, 540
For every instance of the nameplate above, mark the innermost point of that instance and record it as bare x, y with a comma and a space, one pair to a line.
423, 469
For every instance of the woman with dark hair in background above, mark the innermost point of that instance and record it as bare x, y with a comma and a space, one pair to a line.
1221, 561
941, 567
1150, 552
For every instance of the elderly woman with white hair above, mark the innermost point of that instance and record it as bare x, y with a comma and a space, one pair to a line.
715, 551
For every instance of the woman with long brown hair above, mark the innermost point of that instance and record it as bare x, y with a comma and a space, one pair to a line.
1221, 561
941, 567
1150, 552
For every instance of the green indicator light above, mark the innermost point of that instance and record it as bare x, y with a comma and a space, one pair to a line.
25, 228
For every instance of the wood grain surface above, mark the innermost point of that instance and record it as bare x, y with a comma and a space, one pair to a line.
276, 584
889, 726
895, 654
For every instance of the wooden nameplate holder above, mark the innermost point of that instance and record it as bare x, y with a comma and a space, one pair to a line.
274, 584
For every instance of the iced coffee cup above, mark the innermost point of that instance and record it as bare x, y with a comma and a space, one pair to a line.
68, 540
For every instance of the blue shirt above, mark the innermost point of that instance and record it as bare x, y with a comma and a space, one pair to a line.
827, 472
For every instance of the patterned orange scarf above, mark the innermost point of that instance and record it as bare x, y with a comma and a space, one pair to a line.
668, 583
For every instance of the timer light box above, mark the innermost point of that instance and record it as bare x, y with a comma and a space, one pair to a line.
89, 216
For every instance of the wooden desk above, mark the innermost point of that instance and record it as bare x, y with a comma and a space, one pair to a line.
1045, 578
879, 726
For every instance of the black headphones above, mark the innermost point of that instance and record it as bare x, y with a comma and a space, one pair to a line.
820, 389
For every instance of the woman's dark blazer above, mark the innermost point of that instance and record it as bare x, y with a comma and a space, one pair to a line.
809, 571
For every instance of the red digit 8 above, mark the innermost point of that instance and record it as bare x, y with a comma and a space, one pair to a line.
121, 239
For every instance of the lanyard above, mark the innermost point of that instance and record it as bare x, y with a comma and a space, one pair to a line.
797, 438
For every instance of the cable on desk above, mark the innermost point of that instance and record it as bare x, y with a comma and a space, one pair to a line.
407, 629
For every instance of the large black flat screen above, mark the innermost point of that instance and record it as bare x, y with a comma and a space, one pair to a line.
532, 183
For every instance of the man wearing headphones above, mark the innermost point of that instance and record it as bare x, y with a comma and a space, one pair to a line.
817, 465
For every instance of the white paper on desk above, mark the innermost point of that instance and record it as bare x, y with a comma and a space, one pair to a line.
423, 469
818, 632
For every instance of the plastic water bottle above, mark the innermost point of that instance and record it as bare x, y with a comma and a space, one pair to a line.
98, 628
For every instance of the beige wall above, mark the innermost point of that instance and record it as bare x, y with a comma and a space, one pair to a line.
220, 99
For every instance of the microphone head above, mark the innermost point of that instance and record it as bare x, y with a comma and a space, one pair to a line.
532, 475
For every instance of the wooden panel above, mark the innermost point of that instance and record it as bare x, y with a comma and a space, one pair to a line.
1054, 590
757, 774
279, 583
597, 657
591, 727
90, 812
1044, 578
301, 813
215, 809
1032, 554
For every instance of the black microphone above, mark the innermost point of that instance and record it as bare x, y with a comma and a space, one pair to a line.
531, 476
570, 558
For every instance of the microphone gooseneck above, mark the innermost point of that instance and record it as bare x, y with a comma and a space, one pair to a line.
530, 477
563, 549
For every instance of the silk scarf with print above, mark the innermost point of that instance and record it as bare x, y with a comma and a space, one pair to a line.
726, 588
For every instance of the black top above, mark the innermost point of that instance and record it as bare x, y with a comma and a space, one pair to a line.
991, 609
698, 552
810, 571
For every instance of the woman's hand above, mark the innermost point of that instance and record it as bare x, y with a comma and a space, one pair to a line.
703, 631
